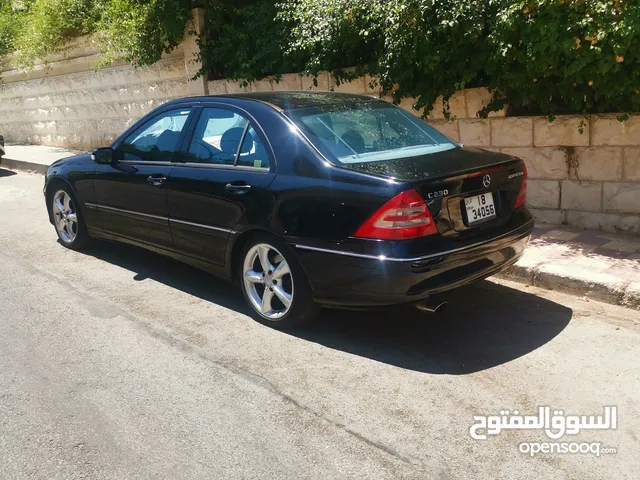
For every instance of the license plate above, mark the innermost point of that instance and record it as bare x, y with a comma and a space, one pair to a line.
479, 208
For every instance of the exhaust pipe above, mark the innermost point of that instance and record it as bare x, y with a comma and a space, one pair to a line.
431, 307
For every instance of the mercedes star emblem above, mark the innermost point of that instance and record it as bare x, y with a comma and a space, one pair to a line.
486, 180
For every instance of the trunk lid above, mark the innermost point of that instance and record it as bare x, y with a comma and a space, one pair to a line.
453, 184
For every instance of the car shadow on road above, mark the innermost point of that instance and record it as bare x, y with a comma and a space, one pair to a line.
6, 173
484, 325
146, 264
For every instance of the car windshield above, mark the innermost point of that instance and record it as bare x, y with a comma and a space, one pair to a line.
360, 132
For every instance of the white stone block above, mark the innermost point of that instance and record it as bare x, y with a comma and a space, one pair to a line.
563, 131
597, 163
632, 164
475, 133
543, 194
512, 132
623, 197
542, 163
584, 196
607, 130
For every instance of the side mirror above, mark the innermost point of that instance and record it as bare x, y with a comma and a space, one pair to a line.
105, 155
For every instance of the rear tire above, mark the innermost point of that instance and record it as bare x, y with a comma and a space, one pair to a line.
274, 284
67, 218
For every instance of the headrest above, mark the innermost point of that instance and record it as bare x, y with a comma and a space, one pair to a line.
231, 139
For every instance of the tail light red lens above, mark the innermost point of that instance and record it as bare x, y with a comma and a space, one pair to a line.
403, 217
522, 196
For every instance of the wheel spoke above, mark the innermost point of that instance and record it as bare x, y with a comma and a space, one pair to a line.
266, 301
61, 224
281, 270
263, 255
67, 202
283, 296
253, 276
72, 217
59, 206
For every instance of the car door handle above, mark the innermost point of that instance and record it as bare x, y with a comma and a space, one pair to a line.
156, 180
238, 188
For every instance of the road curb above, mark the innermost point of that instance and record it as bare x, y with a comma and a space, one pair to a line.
23, 165
593, 286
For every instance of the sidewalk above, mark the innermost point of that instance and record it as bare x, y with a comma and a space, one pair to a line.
590, 264
36, 158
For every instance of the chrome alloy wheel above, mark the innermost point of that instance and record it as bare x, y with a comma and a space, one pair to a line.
268, 281
65, 216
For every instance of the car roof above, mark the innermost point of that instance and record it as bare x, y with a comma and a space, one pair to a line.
293, 100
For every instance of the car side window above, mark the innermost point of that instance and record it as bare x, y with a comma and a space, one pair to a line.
217, 136
253, 153
156, 140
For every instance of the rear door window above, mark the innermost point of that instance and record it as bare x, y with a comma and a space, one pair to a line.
253, 154
217, 140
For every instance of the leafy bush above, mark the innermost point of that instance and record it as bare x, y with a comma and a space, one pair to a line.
135, 30
10, 25
559, 56
540, 56
537, 56
435, 48
48, 24
333, 34
244, 40
140, 31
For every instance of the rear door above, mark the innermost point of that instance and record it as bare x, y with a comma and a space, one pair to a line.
228, 171
131, 195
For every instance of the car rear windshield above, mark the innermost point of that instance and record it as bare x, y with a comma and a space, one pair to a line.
370, 131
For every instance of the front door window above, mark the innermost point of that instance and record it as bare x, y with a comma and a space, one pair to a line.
157, 140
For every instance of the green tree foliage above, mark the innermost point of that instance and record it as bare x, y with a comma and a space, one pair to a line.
10, 26
333, 34
540, 56
564, 56
48, 24
537, 56
243, 39
138, 31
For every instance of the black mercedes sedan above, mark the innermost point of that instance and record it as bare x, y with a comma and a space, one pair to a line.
304, 199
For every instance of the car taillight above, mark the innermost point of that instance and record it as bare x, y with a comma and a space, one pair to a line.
522, 196
404, 216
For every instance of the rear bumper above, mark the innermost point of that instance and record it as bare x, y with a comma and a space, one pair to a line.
342, 279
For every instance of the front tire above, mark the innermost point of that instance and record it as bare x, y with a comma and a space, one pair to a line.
274, 284
67, 219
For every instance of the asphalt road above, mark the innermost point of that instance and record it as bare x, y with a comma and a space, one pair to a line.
116, 363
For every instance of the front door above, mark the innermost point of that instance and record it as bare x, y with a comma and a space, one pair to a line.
224, 181
131, 195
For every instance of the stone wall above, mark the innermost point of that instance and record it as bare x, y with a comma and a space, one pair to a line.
67, 103
589, 179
